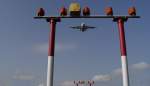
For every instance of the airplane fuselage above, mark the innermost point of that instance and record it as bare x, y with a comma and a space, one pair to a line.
83, 27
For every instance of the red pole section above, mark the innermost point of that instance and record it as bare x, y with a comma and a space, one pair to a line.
52, 38
122, 37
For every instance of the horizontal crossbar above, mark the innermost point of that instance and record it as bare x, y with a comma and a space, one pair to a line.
95, 16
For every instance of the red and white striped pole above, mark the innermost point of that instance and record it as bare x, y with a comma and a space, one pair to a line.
125, 74
51, 49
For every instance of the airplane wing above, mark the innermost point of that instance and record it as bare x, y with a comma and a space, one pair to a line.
90, 27
76, 27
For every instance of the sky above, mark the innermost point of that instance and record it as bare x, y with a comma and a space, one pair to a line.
91, 55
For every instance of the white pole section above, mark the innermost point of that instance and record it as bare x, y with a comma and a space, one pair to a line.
50, 70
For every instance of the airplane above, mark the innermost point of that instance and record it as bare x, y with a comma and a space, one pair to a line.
83, 27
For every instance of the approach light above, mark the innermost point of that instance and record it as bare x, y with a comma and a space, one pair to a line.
63, 11
108, 11
40, 12
74, 9
86, 11
132, 11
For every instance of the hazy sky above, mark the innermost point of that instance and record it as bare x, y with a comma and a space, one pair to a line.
94, 54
